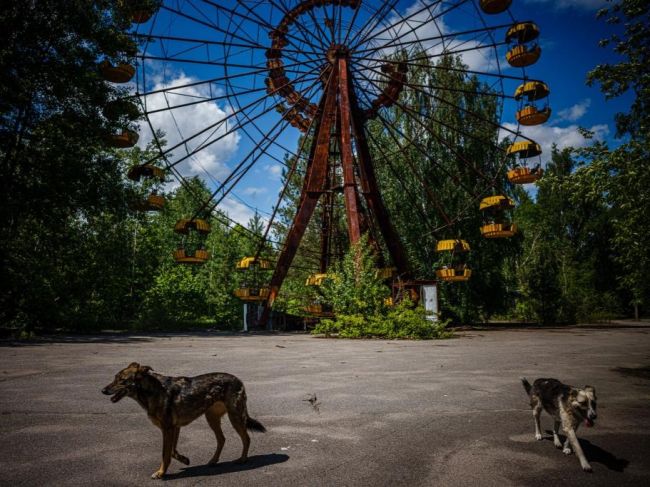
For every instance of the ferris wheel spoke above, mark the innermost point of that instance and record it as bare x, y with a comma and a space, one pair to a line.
229, 14
457, 107
197, 102
373, 22
411, 33
212, 42
211, 25
380, 61
259, 67
459, 90
350, 24
450, 35
207, 99
400, 180
392, 129
437, 54
249, 120
293, 40
208, 81
405, 20
219, 216
316, 22
309, 92
243, 167
415, 116
219, 125
287, 180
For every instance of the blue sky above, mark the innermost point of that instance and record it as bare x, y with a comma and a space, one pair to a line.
569, 39
570, 35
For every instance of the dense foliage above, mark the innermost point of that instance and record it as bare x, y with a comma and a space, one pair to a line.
358, 298
74, 255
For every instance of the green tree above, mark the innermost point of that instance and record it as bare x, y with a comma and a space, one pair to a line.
358, 296
435, 160
61, 192
615, 79
621, 175
566, 270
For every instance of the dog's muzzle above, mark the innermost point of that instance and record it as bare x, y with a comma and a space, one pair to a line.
116, 395
591, 417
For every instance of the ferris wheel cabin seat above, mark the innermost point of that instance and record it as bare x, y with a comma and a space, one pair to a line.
495, 6
200, 256
524, 175
121, 73
252, 293
253, 262
184, 226
315, 279
525, 52
493, 209
127, 138
455, 268
153, 202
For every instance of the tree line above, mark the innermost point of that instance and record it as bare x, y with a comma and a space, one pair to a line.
74, 255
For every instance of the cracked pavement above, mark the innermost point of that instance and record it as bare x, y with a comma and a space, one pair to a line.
449, 412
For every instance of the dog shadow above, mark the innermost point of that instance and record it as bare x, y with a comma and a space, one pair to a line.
255, 461
596, 454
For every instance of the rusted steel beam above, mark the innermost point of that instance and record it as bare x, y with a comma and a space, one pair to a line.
370, 191
314, 186
347, 160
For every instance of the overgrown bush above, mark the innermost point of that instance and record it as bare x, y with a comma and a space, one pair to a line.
357, 296
402, 321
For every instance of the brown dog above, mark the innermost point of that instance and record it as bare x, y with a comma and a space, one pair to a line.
174, 402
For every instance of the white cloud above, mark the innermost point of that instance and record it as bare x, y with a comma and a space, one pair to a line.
575, 112
423, 29
274, 171
574, 4
181, 123
562, 137
254, 191
236, 210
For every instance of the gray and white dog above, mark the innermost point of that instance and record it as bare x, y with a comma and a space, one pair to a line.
569, 407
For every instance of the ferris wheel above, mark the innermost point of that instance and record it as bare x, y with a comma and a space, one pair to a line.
331, 90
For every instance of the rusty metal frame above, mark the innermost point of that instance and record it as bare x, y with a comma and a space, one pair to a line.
338, 116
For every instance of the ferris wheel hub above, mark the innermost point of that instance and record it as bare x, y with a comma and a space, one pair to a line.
337, 51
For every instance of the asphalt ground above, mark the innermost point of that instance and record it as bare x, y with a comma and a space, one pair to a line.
435, 413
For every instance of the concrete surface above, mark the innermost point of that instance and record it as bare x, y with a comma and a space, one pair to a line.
429, 413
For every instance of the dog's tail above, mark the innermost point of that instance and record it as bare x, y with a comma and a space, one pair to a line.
255, 425
527, 385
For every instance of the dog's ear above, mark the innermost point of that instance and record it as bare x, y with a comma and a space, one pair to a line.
134, 365
144, 369
581, 397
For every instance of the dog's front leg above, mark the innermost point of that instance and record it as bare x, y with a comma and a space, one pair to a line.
168, 445
573, 439
537, 411
181, 458
556, 438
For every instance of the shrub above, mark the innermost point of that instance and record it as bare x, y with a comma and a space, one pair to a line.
403, 321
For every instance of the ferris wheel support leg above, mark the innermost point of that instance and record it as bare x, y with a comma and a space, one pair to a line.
370, 190
347, 161
313, 188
